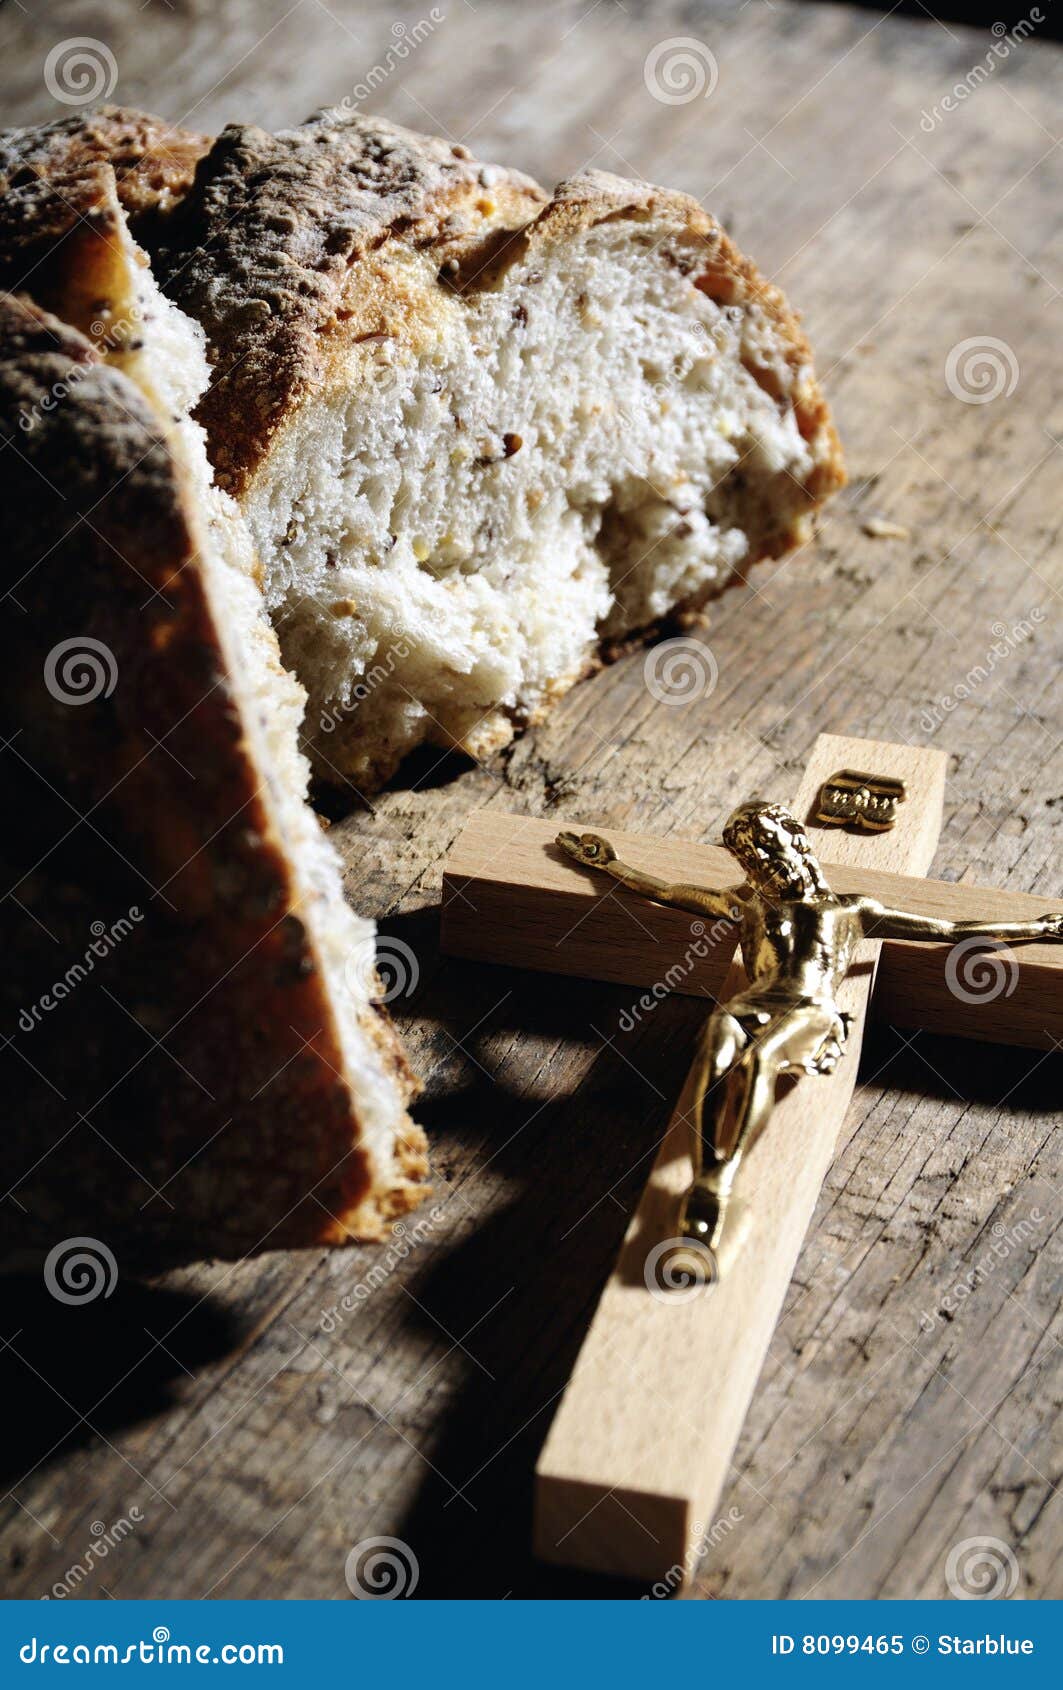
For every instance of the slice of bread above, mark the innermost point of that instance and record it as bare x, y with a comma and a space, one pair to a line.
480, 433
196, 1062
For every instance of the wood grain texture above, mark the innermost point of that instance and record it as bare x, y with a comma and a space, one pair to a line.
635, 1463
911, 1395
510, 896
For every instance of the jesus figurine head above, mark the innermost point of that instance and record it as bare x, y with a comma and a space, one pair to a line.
774, 850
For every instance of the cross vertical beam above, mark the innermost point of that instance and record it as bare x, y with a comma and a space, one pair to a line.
641, 1446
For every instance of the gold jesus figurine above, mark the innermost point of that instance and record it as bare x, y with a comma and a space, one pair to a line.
797, 939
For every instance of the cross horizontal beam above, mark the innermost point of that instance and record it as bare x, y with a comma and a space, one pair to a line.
511, 896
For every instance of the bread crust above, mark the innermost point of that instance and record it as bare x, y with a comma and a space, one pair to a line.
274, 249
69, 189
191, 1099
278, 236
154, 162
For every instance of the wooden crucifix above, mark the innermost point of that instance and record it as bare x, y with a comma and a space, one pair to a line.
641, 1445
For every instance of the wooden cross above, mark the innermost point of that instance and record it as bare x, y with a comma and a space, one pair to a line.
641, 1446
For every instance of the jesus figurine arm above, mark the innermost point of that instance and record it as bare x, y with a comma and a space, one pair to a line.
881, 922
593, 851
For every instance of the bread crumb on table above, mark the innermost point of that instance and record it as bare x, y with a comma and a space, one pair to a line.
878, 528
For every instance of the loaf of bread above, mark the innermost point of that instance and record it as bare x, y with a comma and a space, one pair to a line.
195, 1062
480, 433
454, 438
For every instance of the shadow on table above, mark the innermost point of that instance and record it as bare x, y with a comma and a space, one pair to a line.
517, 1293
963, 1069
544, 1175
976, 14
72, 1371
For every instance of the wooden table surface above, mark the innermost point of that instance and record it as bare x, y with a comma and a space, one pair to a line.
247, 1436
